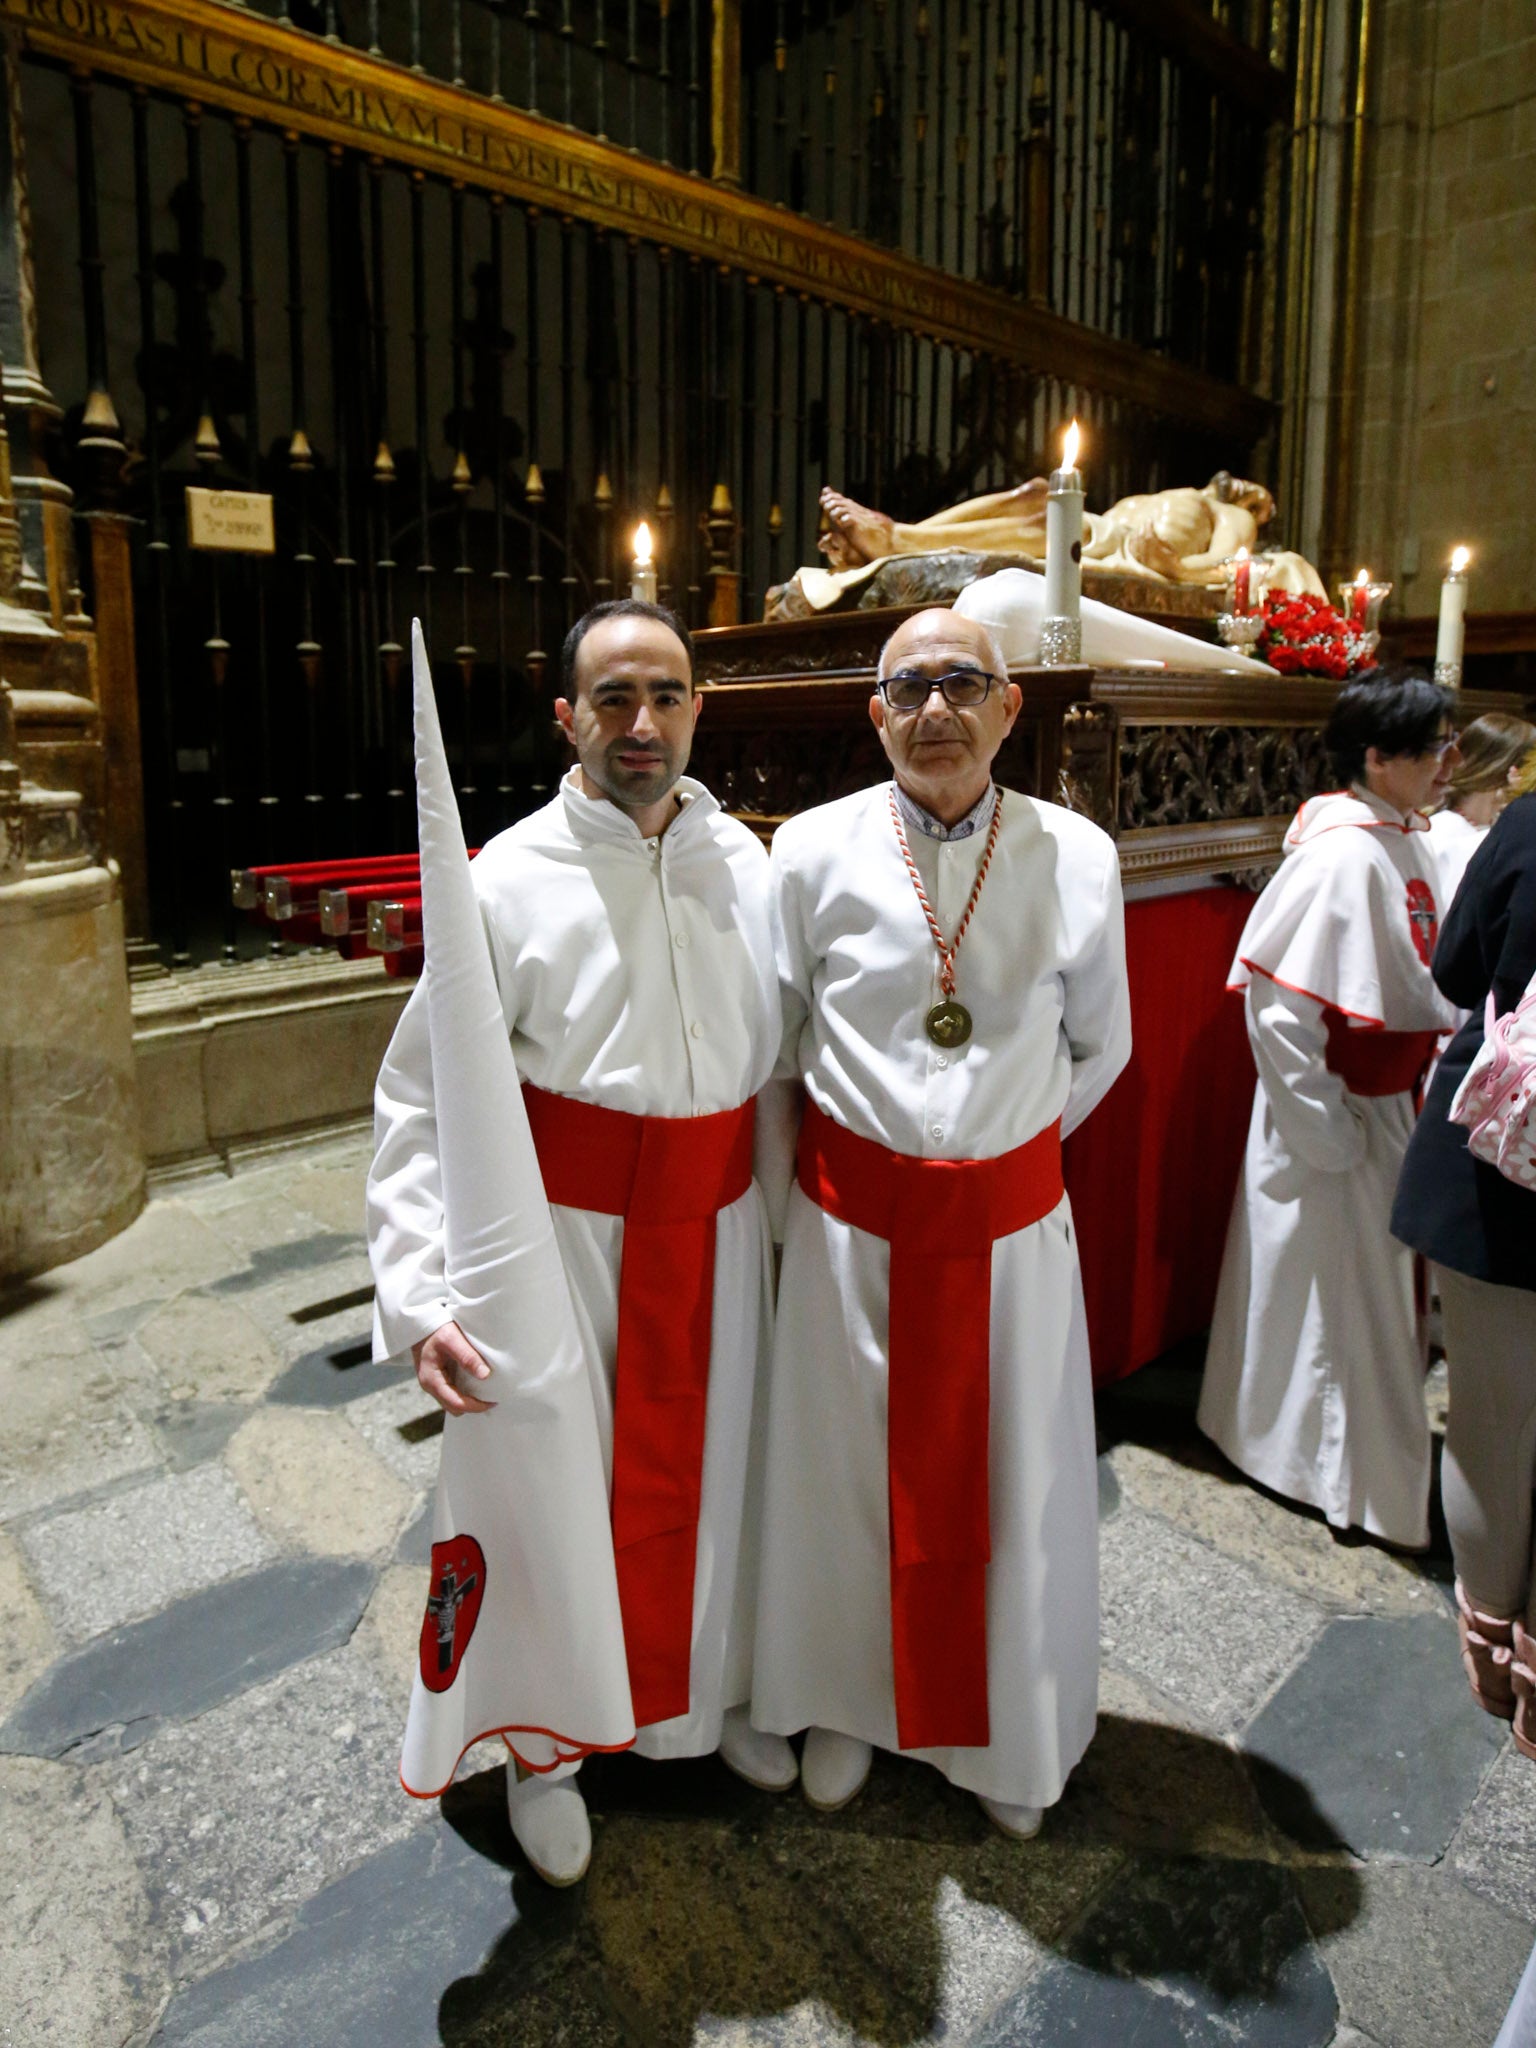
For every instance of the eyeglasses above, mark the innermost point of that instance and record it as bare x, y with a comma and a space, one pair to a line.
965, 688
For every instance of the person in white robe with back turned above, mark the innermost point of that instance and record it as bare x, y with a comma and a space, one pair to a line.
628, 926
930, 1545
1314, 1377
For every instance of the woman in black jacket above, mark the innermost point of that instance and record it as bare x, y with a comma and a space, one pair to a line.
1480, 1231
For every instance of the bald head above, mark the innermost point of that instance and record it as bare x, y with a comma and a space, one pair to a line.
942, 752
947, 629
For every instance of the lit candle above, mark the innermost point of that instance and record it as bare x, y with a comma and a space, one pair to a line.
1061, 629
642, 583
1453, 610
1242, 582
1360, 597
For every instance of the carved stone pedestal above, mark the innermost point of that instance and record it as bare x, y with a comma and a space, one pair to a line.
71, 1165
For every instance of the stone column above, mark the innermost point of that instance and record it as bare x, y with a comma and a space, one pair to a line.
71, 1154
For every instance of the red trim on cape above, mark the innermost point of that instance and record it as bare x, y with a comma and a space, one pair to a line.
1236, 988
579, 1750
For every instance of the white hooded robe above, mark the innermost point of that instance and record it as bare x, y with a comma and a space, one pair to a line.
1314, 1379
637, 974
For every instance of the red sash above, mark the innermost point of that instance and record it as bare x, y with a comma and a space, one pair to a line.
668, 1177
940, 1217
1377, 1062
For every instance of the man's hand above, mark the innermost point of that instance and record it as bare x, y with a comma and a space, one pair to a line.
446, 1363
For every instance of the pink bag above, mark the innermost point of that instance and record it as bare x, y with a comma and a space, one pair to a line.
1497, 1100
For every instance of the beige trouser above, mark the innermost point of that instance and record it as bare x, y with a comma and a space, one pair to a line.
1490, 1440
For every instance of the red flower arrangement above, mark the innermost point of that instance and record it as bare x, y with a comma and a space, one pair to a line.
1305, 636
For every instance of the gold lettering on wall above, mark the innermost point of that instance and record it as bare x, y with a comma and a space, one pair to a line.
264, 70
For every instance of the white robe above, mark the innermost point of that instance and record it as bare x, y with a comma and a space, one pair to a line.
1042, 969
637, 974
1454, 839
1314, 1379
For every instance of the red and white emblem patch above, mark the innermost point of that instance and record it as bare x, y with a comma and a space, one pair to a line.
453, 1608
1422, 919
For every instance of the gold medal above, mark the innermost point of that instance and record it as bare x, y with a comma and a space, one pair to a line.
948, 1024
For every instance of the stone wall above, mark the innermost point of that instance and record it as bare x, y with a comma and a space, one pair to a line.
1447, 364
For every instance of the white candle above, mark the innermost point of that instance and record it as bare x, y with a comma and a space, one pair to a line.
642, 582
1064, 535
1453, 611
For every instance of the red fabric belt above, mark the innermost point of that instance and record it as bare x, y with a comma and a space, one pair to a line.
1377, 1062
940, 1217
668, 1177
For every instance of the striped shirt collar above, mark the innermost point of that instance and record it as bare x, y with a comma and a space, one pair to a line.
976, 819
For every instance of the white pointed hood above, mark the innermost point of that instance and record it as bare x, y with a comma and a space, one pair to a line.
522, 1634
1012, 603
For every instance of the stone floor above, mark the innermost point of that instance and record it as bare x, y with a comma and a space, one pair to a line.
1292, 1828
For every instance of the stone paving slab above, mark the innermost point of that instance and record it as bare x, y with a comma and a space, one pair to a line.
687, 1929
191, 1656
1181, 1954
404, 1427
73, 1414
1495, 1847
1416, 1959
209, 1350
1150, 1781
164, 1250
955, 1930
1199, 1492
432, 1924
238, 1817
335, 1374
390, 1630
192, 1432
332, 1195
28, 1644
315, 1485
80, 1964
1207, 1631
97, 1567
1381, 1748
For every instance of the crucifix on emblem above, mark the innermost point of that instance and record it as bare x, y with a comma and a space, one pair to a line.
444, 1605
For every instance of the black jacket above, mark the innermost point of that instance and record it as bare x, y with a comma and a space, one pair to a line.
1455, 1209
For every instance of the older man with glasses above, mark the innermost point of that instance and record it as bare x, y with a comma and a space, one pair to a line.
952, 970
1314, 1380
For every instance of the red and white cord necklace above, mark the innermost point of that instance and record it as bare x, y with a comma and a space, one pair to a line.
948, 1023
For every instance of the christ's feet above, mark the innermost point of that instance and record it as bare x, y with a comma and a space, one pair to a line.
854, 535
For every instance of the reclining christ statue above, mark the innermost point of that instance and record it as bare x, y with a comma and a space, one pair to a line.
1180, 535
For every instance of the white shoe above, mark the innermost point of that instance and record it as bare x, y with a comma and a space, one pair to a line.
550, 1825
766, 1761
1021, 1823
833, 1769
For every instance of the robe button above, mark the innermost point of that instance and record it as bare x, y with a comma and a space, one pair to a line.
696, 1030
941, 1061
937, 1131
681, 939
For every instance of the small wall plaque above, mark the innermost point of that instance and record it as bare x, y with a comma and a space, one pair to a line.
238, 522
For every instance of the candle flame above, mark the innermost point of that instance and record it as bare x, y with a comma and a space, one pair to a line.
1362, 579
642, 546
1241, 555
1459, 560
1069, 441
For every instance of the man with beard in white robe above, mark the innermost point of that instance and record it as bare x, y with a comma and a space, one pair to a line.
930, 1550
628, 925
1314, 1378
